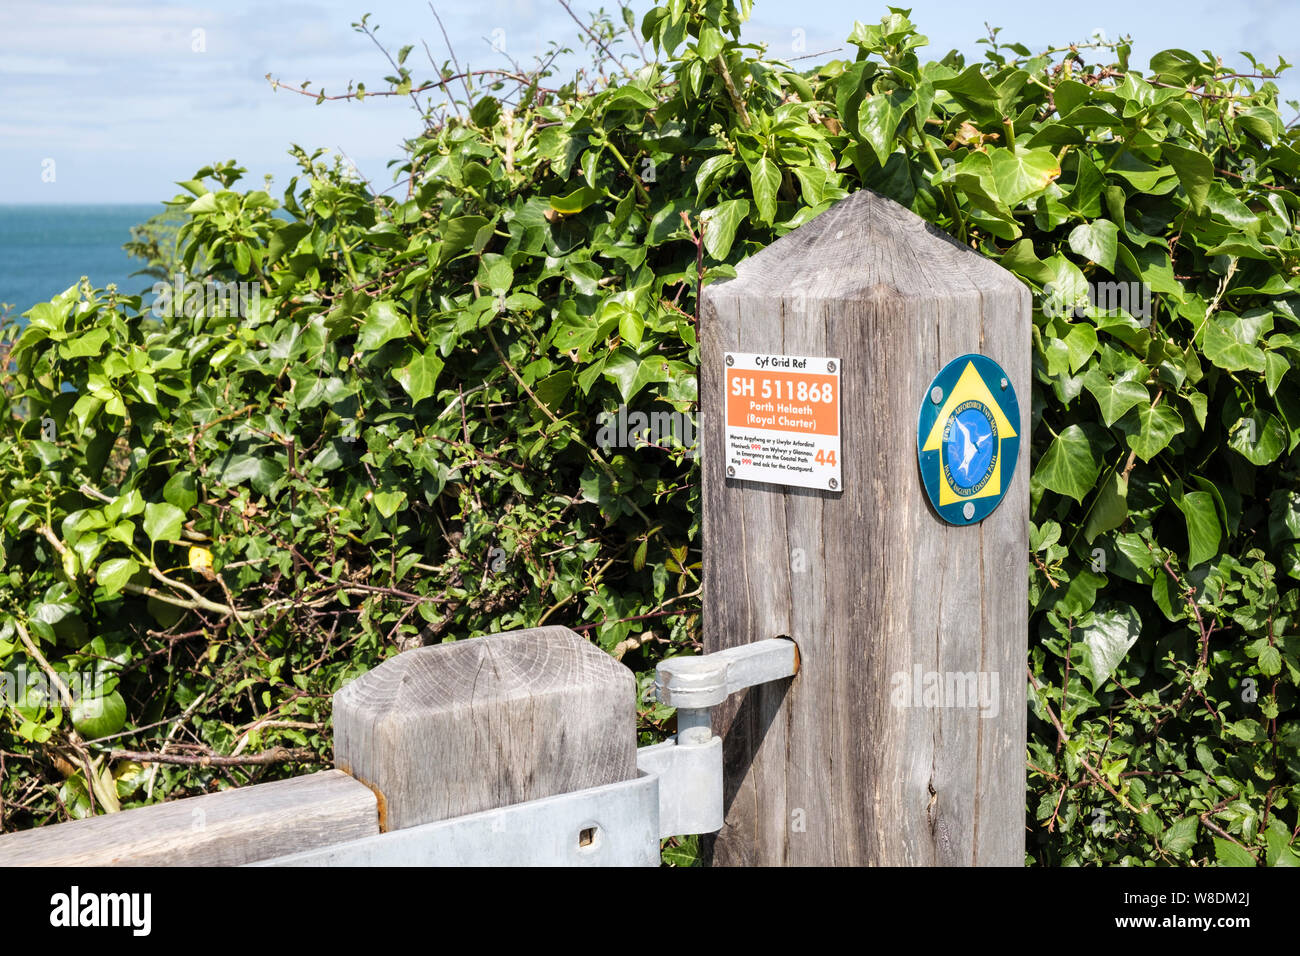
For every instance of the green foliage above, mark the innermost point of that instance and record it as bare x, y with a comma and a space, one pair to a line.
397, 442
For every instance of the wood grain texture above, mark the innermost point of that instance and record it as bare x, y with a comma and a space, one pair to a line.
474, 725
827, 769
229, 828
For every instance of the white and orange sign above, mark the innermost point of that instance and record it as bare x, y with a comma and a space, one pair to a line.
783, 420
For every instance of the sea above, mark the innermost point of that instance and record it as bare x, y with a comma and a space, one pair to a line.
46, 248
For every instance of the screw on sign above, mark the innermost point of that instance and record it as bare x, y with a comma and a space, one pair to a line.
782, 416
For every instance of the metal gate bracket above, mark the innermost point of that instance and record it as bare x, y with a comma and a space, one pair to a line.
678, 790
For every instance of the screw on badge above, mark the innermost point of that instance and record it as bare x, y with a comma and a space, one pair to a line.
834, 484
1005, 383
936, 395
731, 472
730, 361
830, 366
968, 511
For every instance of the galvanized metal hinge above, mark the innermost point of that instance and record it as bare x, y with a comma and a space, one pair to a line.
690, 765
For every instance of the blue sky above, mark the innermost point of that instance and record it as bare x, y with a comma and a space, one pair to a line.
117, 96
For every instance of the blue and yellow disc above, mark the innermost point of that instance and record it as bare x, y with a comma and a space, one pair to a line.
967, 440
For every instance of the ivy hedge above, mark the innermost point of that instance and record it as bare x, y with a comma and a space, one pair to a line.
227, 506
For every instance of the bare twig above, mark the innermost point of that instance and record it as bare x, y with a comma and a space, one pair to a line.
396, 69
176, 725
469, 97
594, 39
275, 755
1082, 759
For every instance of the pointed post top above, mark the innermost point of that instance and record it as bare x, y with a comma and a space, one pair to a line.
866, 246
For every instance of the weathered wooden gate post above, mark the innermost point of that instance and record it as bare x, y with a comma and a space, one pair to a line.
902, 739
453, 729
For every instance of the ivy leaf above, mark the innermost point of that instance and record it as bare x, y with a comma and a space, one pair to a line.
181, 490
485, 111
1069, 467
498, 277
1021, 173
1270, 660
91, 343
1114, 398
1097, 242
419, 377
666, 224
1080, 595
1111, 508
710, 44
812, 183
1085, 197
1258, 437
878, 119
765, 179
1108, 636
1227, 350
1066, 285
629, 96
973, 90
1259, 122
258, 470
1203, 531
710, 171
1275, 370
382, 324
206, 203
163, 521
631, 327
1284, 515
113, 574
458, 235
99, 716
631, 373
721, 222
1195, 171
575, 201
1179, 65
1155, 429
973, 176
1080, 343
387, 503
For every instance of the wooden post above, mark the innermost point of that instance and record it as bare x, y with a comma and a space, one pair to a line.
479, 724
843, 765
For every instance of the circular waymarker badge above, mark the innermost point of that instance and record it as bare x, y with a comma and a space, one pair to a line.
967, 440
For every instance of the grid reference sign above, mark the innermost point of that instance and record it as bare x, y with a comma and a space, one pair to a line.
783, 420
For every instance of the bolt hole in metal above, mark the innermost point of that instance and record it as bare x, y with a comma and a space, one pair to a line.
587, 837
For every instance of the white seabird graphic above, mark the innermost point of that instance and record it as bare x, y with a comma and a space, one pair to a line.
968, 447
